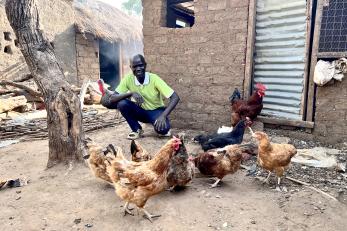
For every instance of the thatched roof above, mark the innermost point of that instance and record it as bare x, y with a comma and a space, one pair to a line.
106, 22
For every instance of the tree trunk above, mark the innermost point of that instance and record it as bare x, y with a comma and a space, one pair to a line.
64, 116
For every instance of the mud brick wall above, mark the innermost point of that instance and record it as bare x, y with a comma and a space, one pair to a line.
331, 112
57, 22
203, 63
87, 51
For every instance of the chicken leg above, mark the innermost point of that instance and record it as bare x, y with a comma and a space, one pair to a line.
278, 188
127, 210
215, 184
148, 215
267, 178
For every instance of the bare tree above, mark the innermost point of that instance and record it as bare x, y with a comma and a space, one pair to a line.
64, 116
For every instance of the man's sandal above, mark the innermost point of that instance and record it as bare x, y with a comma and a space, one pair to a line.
168, 134
135, 135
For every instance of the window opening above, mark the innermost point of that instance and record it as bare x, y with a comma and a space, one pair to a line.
8, 49
180, 13
7, 36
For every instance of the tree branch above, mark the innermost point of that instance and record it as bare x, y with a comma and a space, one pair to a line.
21, 86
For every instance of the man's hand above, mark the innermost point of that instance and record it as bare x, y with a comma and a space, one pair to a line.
138, 98
160, 123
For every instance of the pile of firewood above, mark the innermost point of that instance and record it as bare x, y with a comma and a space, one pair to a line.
37, 128
19, 95
22, 95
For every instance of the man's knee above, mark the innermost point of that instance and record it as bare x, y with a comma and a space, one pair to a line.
123, 105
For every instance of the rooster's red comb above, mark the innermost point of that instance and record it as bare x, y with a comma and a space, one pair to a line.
260, 86
101, 86
176, 144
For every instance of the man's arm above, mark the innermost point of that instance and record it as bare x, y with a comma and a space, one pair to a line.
161, 120
116, 97
174, 99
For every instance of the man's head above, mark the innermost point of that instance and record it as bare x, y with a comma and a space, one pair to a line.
138, 66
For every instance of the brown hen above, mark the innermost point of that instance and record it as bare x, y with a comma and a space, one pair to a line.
136, 182
273, 157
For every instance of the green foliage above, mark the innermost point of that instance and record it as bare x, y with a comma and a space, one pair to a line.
133, 7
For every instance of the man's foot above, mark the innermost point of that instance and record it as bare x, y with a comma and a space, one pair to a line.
135, 135
168, 134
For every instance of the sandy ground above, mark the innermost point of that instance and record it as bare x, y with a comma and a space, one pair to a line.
57, 199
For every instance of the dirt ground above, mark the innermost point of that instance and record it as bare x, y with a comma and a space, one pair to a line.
62, 199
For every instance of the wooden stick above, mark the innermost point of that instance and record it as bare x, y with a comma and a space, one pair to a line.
23, 78
311, 187
21, 86
302, 183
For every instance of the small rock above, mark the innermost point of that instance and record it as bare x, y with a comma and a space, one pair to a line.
88, 225
18, 192
253, 222
209, 225
11, 218
217, 196
77, 221
225, 224
18, 198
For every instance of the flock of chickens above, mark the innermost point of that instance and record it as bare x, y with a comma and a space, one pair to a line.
146, 175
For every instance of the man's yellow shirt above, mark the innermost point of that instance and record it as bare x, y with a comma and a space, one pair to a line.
152, 90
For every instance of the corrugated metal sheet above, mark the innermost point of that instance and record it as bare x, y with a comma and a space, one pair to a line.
279, 59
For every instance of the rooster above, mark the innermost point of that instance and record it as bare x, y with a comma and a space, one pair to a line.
181, 169
250, 108
222, 162
221, 140
136, 182
106, 95
272, 156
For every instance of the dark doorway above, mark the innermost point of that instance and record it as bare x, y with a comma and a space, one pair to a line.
109, 63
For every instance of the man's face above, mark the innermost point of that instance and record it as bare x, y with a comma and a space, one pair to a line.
138, 67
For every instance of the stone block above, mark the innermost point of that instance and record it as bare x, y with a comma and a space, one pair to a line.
238, 3
217, 5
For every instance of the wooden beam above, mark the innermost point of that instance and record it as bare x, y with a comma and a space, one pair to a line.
286, 122
247, 84
174, 2
309, 14
315, 46
332, 54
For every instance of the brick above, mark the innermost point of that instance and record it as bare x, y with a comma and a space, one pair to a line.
160, 40
238, 3
240, 24
217, 5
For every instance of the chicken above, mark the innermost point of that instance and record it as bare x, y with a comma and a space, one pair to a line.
136, 182
273, 157
250, 108
221, 140
222, 162
106, 95
138, 153
96, 158
181, 169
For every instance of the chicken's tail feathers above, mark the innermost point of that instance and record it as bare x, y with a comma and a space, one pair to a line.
249, 148
235, 96
133, 147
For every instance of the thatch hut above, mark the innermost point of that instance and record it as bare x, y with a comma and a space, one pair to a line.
105, 40
91, 40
